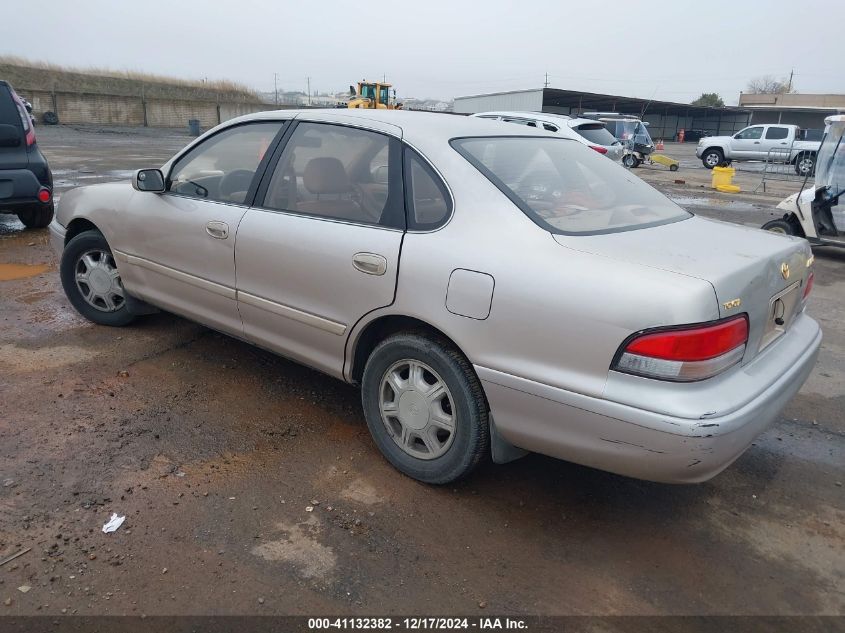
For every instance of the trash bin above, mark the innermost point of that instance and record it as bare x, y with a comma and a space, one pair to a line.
194, 127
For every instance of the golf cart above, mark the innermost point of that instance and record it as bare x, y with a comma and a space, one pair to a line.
815, 213
639, 148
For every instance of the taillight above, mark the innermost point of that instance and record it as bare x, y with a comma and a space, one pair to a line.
809, 285
25, 121
599, 149
685, 353
44, 195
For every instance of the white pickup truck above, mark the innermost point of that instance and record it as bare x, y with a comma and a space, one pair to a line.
756, 142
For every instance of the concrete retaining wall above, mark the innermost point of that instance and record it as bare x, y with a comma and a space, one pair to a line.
103, 109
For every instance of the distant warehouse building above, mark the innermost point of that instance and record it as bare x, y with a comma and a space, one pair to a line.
665, 118
803, 110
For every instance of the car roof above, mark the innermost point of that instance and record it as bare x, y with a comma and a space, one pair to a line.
409, 124
548, 117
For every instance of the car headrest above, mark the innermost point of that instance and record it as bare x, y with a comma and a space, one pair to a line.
325, 175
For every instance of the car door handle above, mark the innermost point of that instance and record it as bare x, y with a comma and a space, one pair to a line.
217, 230
756, 142
370, 263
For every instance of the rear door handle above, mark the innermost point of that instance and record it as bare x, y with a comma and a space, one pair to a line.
218, 230
370, 263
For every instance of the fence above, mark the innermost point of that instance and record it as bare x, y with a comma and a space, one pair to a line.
787, 165
105, 109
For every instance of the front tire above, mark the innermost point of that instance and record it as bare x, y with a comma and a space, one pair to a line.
92, 282
712, 158
425, 408
37, 216
781, 226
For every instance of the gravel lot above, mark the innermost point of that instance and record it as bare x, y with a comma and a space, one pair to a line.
214, 449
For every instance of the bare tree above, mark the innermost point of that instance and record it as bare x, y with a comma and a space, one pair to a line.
768, 85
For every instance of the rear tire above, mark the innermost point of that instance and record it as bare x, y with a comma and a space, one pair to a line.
99, 297
630, 161
673, 168
407, 421
781, 226
712, 158
37, 216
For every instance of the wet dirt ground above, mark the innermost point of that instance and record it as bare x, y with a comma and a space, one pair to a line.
214, 451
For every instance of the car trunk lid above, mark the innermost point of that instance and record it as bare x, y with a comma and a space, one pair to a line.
751, 271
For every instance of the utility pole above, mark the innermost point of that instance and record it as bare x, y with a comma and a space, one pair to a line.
276, 86
309, 90
789, 85
546, 84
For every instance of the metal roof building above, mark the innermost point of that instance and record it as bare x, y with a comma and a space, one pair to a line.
665, 118
804, 110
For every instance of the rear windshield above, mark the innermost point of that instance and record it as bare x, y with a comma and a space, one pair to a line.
596, 133
565, 187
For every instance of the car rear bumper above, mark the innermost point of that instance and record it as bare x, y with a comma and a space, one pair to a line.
645, 444
18, 187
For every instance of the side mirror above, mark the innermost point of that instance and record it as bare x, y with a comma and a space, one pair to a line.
10, 136
151, 180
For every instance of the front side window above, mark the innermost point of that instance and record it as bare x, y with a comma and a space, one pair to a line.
777, 133
427, 199
222, 167
750, 133
565, 187
339, 172
384, 95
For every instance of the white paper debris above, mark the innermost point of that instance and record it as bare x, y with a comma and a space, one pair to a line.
24, 588
114, 523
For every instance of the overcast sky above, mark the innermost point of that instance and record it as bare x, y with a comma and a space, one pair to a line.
668, 49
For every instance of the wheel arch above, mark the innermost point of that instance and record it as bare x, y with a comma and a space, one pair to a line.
379, 329
77, 226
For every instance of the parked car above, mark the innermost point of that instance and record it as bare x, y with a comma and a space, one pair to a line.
494, 289
755, 142
26, 183
590, 133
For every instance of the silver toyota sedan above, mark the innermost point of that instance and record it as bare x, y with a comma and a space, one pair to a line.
493, 289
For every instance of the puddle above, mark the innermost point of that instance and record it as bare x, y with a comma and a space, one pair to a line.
10, 272
9, 224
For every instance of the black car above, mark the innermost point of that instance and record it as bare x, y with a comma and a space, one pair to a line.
26, 183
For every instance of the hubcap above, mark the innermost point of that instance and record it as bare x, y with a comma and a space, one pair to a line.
417, 409
778, 229
98, 281
805, 165
713, 160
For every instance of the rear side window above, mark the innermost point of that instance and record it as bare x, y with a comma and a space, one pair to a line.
596, 133
777, 133
565, 187
341, 173
426, 198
